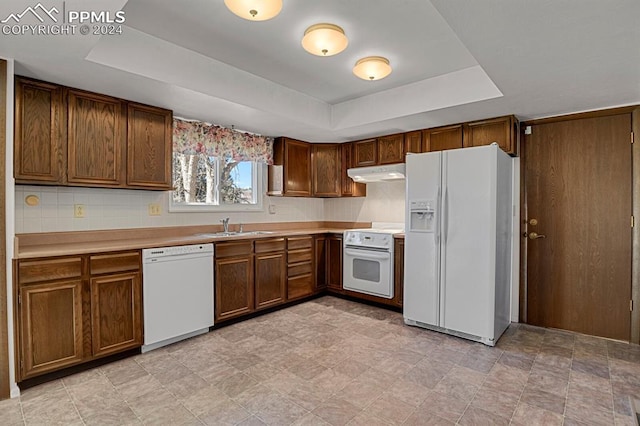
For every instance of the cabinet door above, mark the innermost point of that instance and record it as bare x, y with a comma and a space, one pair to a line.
501, 130
365, 153
149, 146
96, 140
321, 261
50, 326
297, 168
398, 271
326, 170
334, 262
234, 287
391, 149
270, 279
349, 187
116, 316
40, 134
413, 142
443, 138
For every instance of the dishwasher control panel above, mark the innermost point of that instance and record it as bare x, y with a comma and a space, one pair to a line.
203, 249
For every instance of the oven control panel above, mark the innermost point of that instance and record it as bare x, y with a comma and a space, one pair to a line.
368, 239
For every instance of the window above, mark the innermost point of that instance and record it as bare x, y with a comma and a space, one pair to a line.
207, 183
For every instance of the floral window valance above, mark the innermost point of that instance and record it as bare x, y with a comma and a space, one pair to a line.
196, 137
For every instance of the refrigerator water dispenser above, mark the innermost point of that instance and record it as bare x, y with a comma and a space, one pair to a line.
423, 215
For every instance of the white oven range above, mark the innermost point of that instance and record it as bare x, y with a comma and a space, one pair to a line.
368, 261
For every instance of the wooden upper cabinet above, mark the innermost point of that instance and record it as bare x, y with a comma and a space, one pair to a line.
326, 170
442, 138
365, 153
40, 133
96, 139
349, 187
149, 147
391, 149
502, 130
295, 158
413, 142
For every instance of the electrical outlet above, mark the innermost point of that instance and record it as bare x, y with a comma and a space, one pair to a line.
154, 209
272, 209
78, 210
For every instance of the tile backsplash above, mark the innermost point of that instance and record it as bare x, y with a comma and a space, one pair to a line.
384, 203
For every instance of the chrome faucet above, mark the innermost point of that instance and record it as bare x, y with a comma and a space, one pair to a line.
225, 224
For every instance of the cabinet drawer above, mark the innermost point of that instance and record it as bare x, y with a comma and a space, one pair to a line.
294, 243
119, 262
30, 271
297, 256
241, 248
300, 269
299, 286
266, 246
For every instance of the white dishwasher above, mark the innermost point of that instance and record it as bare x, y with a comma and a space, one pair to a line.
177, 285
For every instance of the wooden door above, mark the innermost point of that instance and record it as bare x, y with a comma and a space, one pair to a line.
502, 130
391, 149
40, 134
442, 138
149, 147
349, 187
297, 168
326, 170
413, 142
50, 326
577, 179
365, 153
116, 314
234, 287
96, 139
334, 262
270, 279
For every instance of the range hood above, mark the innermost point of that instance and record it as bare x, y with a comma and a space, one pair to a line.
377, 173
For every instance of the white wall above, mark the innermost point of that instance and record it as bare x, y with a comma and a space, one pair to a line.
384, 203
122, 208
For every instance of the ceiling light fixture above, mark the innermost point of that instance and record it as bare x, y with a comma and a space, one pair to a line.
372, 68
324, 40
255, 10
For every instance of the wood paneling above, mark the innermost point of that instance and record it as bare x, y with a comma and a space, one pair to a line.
299, 242
413, 142
4, 330
116, 314
50, 326
391, 149
269, 245
239, 248
39, 270
334, 262
96, 139
300, 286
114, 262
326, 170
270, 279
442, 138
502, 130
635, 263
234, 286
578, 189
149, 147
365, 153
40, 133
398, 271
349, 187
297, 256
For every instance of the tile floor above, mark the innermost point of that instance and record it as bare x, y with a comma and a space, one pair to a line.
331, 361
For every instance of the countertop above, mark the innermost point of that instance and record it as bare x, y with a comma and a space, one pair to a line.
83, 242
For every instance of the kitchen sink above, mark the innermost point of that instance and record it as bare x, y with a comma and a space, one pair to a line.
232, 234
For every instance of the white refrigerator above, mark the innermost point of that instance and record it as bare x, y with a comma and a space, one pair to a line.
458, 238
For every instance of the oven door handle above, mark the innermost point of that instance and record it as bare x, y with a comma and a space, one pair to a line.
367, 254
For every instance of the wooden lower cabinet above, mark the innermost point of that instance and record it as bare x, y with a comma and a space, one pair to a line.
233, 286
270, 273
398, 271
334, 262
321, 262
50, 327
116, 314
300, 270
75, 309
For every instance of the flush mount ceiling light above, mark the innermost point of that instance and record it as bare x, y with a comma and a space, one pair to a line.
372, 68
255, 10
324, 40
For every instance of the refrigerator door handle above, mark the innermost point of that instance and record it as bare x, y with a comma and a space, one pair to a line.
437, 218
446, 214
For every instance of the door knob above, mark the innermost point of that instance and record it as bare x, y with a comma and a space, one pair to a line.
535, 236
